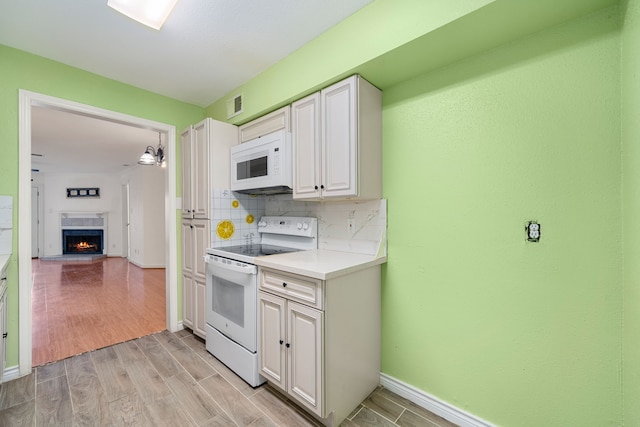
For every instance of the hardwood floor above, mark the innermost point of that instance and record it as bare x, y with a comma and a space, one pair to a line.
168, 379
80, 306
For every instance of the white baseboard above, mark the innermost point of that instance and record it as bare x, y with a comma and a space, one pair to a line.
10, 373
432, 403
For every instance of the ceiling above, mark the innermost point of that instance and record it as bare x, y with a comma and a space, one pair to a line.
74, 143
205, 50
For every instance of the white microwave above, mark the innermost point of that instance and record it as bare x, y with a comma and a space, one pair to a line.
262, 165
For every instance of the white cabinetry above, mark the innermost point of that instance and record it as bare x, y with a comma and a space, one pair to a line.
195, 239
319, 341
195, 171
3, 327
205, 165
266, 124
337, 142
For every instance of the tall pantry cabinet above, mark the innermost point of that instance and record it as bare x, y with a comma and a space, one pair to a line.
205, 166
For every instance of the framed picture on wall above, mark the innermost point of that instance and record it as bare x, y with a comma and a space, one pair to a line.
93, 192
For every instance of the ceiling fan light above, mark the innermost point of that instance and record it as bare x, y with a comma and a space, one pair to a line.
152, 13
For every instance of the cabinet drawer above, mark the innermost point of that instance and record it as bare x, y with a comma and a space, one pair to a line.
297, 288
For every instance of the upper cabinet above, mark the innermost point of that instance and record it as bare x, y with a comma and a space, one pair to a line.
276, 120
205, 164
337, 142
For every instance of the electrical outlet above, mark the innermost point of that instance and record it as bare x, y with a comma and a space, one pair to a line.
351, 226
533, 231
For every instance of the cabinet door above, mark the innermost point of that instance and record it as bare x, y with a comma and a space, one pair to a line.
3, 336
305, 369
305, 129
188, 266
200, 173
271, 333
188, 292
339, 139
201, 241
199, 303
266, 124
185, 140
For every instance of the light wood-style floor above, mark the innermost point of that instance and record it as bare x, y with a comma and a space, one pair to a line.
168, 379
138, 377
80, 306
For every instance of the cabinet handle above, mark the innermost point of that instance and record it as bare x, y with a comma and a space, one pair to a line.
287, 345
4, 335
322, 187
281, 342
315, 187
284, 284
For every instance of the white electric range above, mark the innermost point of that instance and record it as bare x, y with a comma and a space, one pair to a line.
232, 290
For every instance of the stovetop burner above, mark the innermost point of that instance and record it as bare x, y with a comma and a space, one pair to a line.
256, 250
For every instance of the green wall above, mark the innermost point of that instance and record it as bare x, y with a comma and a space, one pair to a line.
20, 70
630, 90
375, 30
520, 334
516, 333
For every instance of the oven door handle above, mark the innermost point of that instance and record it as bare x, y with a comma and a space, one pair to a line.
232, 266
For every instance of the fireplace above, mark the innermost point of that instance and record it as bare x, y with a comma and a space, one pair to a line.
88, 242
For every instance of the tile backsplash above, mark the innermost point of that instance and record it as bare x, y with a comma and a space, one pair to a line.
369, 219
235, 220
6, 224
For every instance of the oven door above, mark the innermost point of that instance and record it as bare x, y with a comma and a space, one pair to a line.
231, 292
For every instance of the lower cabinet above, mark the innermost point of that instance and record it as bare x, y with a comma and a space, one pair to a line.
291, 349
195, 238
194, 304
321, 347
3, 327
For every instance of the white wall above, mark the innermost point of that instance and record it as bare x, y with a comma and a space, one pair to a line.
55, 201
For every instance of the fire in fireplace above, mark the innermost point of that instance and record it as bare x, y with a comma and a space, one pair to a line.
82, 241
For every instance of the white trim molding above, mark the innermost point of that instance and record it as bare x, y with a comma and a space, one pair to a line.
432, 403
10, 373
26, 100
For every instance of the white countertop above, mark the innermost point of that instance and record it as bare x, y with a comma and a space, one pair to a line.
320, 264
4, 261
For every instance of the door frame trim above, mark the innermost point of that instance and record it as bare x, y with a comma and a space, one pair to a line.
28, 99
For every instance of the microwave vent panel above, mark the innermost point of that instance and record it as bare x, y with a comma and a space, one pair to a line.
234, 106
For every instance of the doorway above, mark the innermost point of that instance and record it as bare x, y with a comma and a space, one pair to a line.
26, 101
126, 218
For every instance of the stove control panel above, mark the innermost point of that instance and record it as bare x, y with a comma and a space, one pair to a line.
289, 225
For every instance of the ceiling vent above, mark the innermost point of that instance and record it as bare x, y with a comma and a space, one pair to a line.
234, 106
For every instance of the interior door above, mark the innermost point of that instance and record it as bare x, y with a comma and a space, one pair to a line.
126, 221
35, 222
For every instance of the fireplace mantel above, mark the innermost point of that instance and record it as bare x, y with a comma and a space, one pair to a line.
85, 221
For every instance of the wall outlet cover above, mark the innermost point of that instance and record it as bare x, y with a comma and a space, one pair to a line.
532, 230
